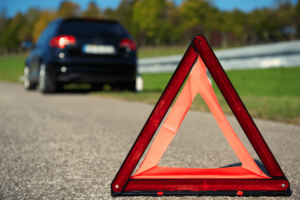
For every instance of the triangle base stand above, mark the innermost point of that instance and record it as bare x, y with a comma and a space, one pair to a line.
202, 193
206, 187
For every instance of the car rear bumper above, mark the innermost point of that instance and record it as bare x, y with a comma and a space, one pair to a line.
92, 78
93, 73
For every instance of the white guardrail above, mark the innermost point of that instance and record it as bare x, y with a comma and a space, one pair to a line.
284, 54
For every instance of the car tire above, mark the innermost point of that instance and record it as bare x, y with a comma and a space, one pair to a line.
59, 87
137, 85
45, 82
28, 84
131, 86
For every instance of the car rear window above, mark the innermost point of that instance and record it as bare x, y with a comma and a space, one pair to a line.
92, 28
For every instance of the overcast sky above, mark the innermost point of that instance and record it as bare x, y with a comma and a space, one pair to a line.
13, 6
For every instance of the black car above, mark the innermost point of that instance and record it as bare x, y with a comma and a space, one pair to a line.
82, 51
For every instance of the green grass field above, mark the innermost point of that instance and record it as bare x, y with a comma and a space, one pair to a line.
273, 82
272, 94
11, 68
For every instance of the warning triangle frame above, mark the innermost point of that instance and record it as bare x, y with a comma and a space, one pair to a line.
276, 185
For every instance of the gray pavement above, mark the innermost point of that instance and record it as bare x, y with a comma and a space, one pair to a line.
70, 146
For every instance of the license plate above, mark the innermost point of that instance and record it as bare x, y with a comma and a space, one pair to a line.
98, 49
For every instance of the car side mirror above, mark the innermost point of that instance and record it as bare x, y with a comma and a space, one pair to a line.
27, 45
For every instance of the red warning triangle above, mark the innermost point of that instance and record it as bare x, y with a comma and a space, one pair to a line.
151, 179
197, 82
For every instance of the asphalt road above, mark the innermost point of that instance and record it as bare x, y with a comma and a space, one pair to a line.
70, 146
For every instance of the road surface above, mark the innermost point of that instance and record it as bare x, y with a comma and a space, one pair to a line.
70, 146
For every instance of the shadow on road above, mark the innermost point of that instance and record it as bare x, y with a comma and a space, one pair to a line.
259, 164
75, 91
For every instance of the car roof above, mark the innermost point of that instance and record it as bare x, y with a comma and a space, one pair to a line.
91, 19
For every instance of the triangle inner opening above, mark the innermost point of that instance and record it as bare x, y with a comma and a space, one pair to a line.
199, 142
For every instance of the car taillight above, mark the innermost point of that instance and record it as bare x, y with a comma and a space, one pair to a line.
128, 43
62, 41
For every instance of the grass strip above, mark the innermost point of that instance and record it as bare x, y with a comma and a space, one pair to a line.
272, 82
11, 68
282, 109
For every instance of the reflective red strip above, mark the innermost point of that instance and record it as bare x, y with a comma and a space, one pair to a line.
207, 185
197, 173
237, 107
154, 120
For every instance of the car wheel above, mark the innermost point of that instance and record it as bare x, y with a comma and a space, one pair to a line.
137, 85
59, 87
27, 83
45, 82
131, 86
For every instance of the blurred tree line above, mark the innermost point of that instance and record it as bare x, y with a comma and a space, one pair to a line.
162, 22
